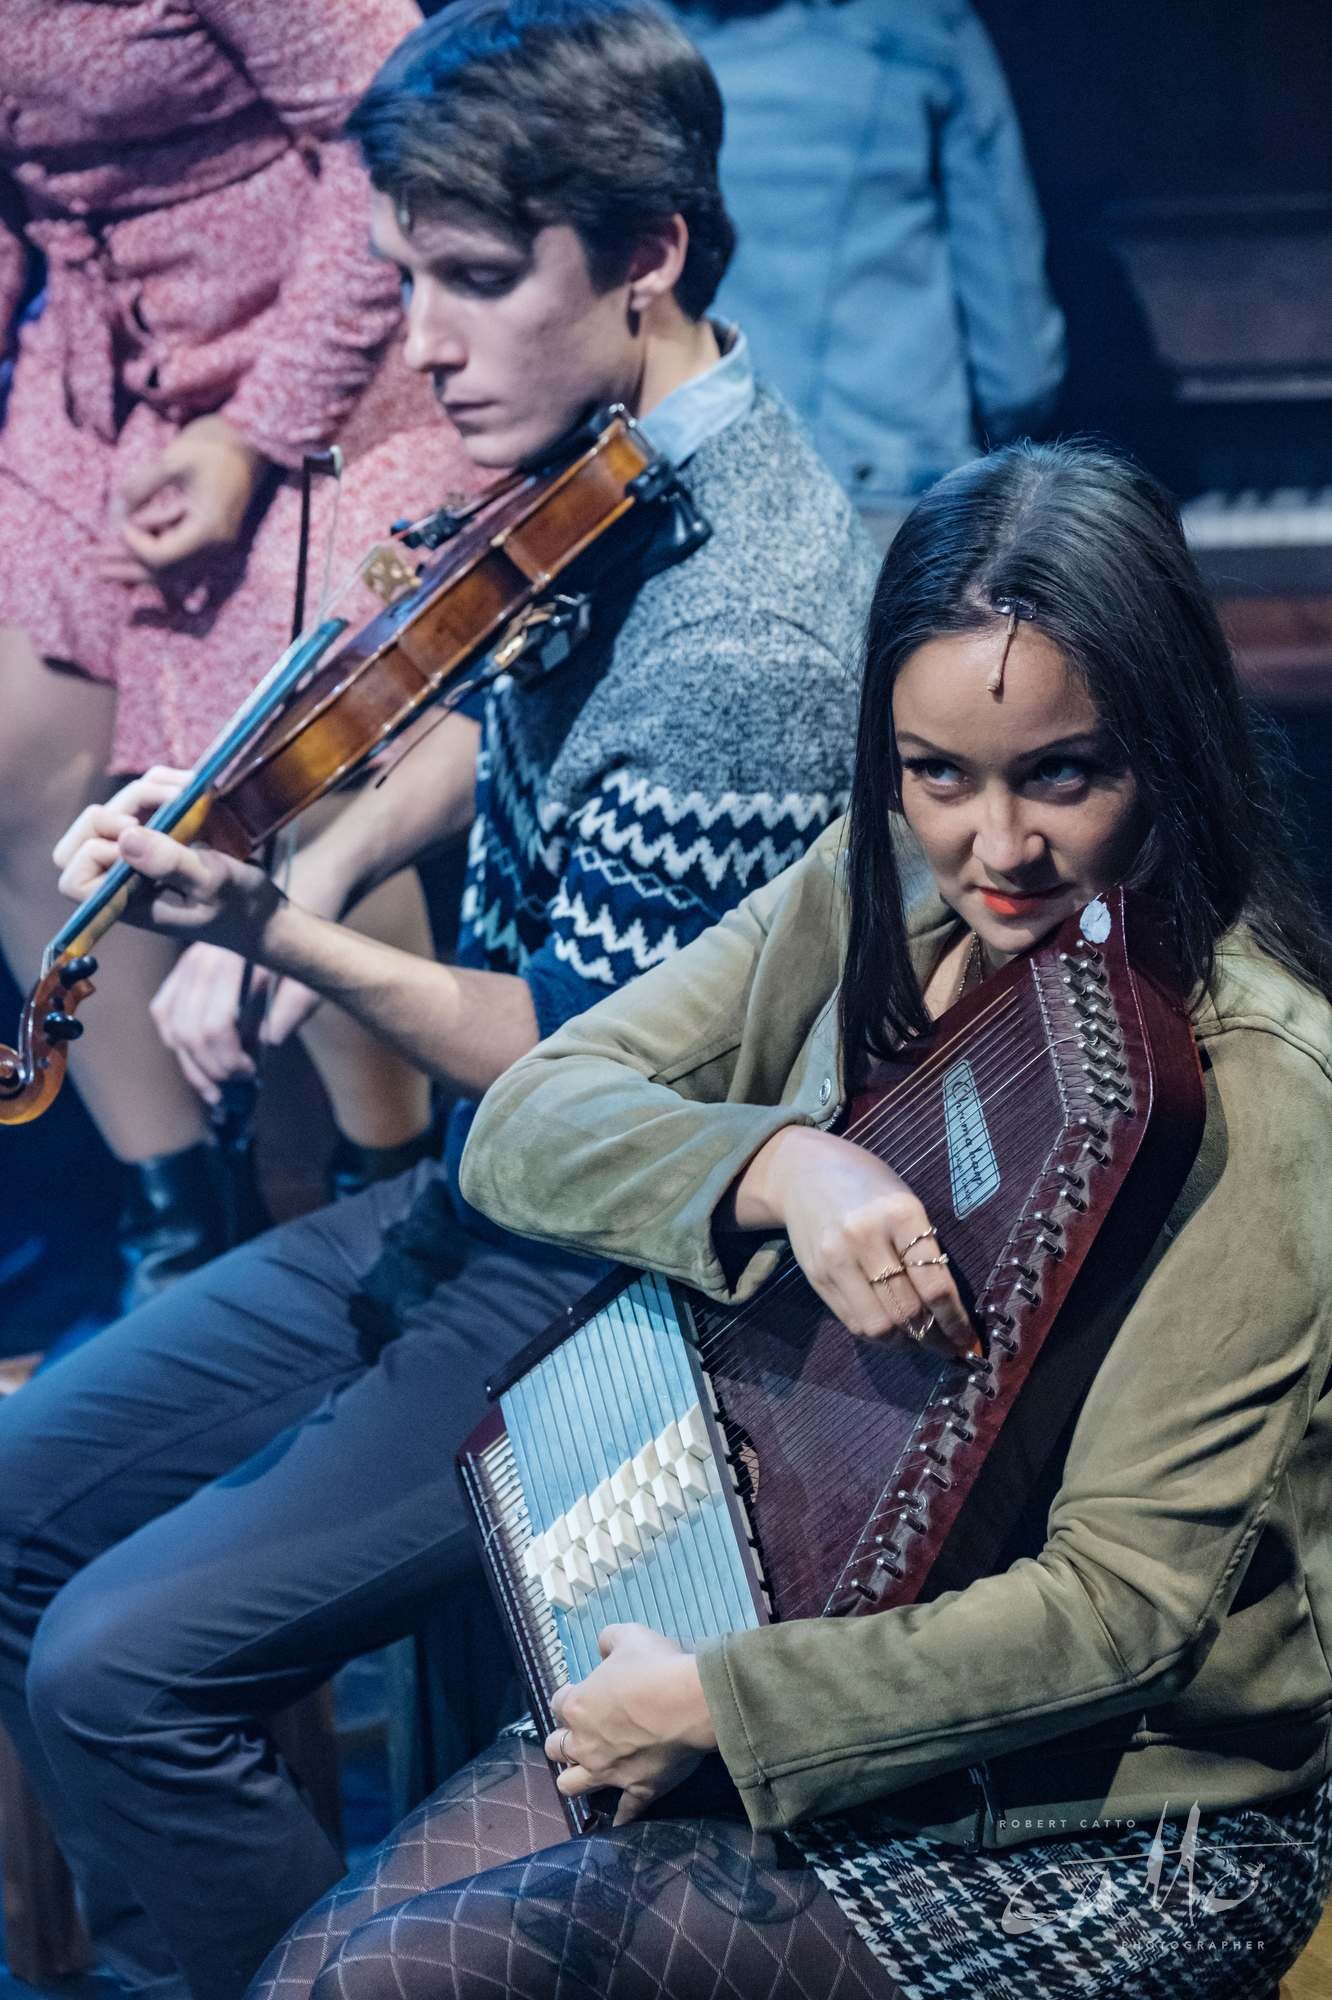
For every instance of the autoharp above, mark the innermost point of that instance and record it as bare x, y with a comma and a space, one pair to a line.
659, 1458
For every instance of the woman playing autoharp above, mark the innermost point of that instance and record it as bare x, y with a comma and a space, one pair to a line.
1050, 706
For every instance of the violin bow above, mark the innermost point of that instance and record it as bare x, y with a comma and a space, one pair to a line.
232, 1118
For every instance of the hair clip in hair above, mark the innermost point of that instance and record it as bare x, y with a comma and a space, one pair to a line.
1013, 609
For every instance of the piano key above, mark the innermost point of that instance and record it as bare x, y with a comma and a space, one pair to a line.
666, 1492
601, 1502
1273, 543
645, 1514
580, 1520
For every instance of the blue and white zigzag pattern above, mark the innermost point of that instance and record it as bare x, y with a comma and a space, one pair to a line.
627, 879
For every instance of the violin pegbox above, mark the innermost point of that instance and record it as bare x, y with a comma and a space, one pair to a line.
32, 1073
73, 983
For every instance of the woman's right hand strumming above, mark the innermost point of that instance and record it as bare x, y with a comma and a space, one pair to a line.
860, 1236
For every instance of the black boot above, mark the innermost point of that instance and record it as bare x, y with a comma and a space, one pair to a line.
353, 1168
173, 1220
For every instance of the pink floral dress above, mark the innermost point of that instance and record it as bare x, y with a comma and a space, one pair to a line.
205, 236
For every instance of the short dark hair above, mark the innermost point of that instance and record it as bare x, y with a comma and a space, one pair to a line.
596, 113
1093, 547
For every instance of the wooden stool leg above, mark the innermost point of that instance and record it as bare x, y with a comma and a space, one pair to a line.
44, 1937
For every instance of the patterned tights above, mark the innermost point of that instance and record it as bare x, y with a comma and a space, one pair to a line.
664, 1909
481, 1892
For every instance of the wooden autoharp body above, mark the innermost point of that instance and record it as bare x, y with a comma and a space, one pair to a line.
662, 1459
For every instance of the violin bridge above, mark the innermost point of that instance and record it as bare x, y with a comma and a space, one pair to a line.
387, 573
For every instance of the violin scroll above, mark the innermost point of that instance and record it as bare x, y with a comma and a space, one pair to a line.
32, 1073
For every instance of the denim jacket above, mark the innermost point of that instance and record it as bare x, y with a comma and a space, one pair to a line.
890, 264
1168, 1639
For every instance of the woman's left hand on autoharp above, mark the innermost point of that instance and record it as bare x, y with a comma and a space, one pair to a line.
638, 1724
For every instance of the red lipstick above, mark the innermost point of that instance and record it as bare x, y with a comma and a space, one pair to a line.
1016, 903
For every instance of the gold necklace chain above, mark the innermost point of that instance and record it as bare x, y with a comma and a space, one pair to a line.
972, 964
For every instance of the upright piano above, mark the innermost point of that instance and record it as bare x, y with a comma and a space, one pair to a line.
1235, 294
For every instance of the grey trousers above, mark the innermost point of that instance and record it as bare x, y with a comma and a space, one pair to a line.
206, 1510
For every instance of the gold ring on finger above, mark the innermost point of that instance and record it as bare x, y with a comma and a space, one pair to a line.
889, 1271
922, 1236
919, 1263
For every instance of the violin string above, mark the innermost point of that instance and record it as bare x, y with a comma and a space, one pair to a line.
501, 490
251, 711
284, 842
330, 544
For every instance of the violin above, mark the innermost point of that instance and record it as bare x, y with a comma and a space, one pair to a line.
473, 610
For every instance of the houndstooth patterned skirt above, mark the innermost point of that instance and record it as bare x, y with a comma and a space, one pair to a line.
1214, 1906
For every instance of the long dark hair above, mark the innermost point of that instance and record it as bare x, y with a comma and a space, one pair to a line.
1094, 547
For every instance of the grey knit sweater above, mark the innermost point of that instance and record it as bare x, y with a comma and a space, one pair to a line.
688, 752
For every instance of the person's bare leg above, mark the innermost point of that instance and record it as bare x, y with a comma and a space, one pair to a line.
378, 1100
54, 741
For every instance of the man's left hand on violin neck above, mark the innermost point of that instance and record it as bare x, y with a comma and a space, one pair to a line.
460, 1024
198, 893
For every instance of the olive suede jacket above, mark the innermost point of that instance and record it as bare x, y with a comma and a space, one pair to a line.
1169, 1637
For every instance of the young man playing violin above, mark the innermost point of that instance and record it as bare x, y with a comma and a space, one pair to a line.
249, 1480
